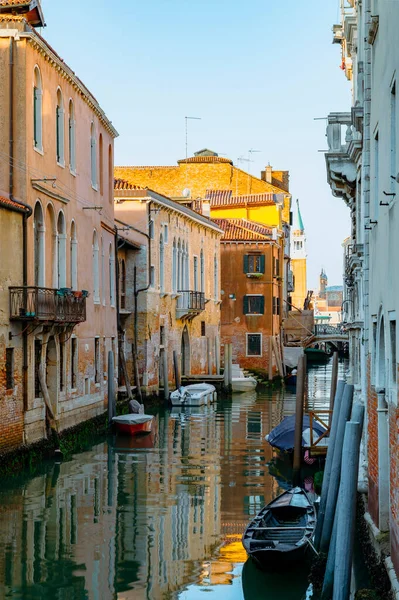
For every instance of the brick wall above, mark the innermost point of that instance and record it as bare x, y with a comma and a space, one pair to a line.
394, 480
372, 404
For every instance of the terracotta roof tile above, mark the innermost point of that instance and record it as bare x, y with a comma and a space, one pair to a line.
205, 159
242, 229
226, 198
13, 2
122, 184
10, 203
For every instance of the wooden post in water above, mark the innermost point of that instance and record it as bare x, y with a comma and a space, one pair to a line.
217, 354
226, 367
209, 355
230, 367
111, 386
300, 388
329, 459
347, 512
334, 379
176, 369
165, 375
332, 495
270, 374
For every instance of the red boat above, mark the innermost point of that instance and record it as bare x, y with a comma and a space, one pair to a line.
133, 424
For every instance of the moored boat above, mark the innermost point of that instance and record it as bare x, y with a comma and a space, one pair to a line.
133, 424
317, 355
193, 395
283, 530
241, 383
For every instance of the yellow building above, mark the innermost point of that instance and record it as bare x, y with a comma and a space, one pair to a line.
298, 259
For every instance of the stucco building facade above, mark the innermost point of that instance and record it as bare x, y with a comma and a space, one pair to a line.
362, 168
173, 286
57, 165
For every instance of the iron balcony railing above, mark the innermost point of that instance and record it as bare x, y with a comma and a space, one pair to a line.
189, 303
31, 303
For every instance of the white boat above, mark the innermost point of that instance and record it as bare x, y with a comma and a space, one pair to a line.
194, 395
241, 383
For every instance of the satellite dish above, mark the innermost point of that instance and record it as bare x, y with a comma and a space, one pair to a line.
186, 193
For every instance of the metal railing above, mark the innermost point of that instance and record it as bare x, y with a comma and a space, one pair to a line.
33, 303
190, 300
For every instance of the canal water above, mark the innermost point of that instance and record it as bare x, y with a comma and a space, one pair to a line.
159, 517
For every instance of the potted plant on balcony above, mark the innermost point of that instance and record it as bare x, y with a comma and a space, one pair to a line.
78, 293
85, 294
254, 275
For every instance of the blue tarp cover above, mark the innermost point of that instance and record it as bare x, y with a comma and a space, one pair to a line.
283, 436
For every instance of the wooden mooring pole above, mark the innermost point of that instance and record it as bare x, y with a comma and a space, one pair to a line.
176, 369
111, 386
165, 376
334, 379
300, 391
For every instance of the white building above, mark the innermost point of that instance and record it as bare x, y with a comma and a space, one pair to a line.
362, 167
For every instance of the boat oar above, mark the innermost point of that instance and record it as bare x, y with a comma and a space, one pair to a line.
311, 545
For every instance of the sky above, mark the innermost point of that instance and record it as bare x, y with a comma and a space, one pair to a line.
258, 73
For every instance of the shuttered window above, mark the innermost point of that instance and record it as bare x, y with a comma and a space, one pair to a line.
254, 305
254, 263
254, 344
9, 368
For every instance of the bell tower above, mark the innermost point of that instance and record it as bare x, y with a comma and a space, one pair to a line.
298, 258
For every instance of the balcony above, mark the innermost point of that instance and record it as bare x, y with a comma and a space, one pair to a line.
189, 304
47, 305
344, 150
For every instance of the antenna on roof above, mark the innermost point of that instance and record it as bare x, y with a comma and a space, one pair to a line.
191, 119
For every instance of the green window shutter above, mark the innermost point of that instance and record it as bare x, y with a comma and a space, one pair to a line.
35, 116
246, 263
262, 264
262, 305
57, 120
245, 307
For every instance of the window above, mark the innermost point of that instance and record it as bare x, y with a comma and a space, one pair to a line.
74, 257
101, 163
60, 133
174, 267
123, 284
254, 263
202, 272
254, 344
97, 360
195, 273
152, 276
96, 282
162, 335
62, 366
166, 234
74, 362
161, 265
72, 137
38, 355
254, 305
376, 175
61, 251
111, 276
394, 169
93, 156
392, 328
103, 271
216, 277
151, 230
110, 174
37, 111
39, 245
276, 267
203, 330
276, 306
9, 368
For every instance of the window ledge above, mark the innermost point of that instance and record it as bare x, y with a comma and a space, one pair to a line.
96, 300
73, 390
163, 294
72, 171
61, 164
253, 314
38, 150
216, 302
175, 295
94, 187
254, 275
207, 300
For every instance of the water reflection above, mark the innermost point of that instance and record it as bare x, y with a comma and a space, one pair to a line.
150, 518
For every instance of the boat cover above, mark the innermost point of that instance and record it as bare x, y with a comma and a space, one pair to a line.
283, 436
294, 497
132, 419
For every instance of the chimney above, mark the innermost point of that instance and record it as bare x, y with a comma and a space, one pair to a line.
268, 173
281, 179
206, 208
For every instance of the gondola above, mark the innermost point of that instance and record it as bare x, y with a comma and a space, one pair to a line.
282, 531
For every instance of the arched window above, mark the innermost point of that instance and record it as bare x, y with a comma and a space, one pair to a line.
174, 267
51, 248
161, 265
61, 251
74, 257
60, 133
101, 163
96, 283
110, 174
111, 276
37, 110
123, 284
72, 137
93, 156
202, 272
103, 271
178, 278
39, 245
186, 281
216, 277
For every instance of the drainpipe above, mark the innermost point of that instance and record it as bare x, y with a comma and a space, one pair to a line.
27, 213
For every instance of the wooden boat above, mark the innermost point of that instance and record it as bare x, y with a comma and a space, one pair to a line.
283, 530
194, 395
290, 380
133, 424
241, 383
317, 355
